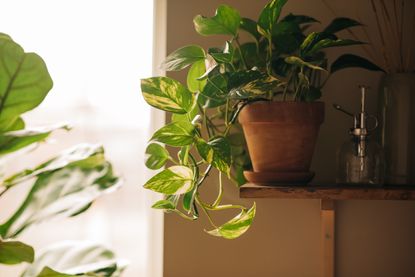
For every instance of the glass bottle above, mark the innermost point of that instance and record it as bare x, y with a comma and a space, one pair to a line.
360, 159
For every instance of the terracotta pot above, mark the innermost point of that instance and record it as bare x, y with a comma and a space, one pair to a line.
281, 137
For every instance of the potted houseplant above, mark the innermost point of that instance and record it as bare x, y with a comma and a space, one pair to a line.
271, 82
65, 185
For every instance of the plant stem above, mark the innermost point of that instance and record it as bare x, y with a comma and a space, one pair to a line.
4, 191
240, 52
183, 215
201, 204
220, 194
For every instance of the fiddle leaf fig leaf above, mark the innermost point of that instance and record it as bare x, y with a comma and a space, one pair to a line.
25, 81
164, 205
269, 16
173, 180
216, 152
326, 43
63, 186
226, 21
299, 62
180, 133
75, 258
167, 94
236, 226
157, 156
349, 61
15, 140
15, 252
183, 57
341, 23
195, 72
251, 27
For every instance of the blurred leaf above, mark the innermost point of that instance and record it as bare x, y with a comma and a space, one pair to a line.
167, 94
173, 180
225, 22
15, 252
196, 71
299, 19
287, 37
15, 140
217, 152
299, 62
63, 186
24, 84
75, 258
269, 16
157, 156
86, 155
183, 57
341, 23
349, 60
236, 226
250, 26
180, 133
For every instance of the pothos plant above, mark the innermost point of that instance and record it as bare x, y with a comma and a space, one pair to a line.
282, 62
65, 185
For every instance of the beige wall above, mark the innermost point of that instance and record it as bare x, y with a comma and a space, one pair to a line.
374, 238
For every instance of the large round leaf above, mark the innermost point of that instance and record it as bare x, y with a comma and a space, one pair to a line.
24, 82
195, 72
167, 94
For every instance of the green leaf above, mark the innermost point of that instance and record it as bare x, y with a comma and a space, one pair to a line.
225, 22
15, 140
214, 93
195, 72
223, 56
312, 39
183, 57
188, 117
236, 226
341, 23
183, 155
287, 37
349, 61
15, 252
299, 19
12, 124
269, 16
255, 88
25, 81
164, 205
167, 94
173, 180
63, 186
326, 43
74, 258
299, 62
157, 156
250, 26
178, 133
216, 152
85, 155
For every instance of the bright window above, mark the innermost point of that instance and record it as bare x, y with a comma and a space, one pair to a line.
96, 52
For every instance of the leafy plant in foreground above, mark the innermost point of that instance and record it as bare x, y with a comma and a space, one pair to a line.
65, 185
281, 63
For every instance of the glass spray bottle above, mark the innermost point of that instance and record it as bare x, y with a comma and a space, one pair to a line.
360, 159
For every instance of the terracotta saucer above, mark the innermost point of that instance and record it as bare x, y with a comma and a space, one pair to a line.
270, 178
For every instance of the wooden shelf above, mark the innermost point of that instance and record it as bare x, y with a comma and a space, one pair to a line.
328, 192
